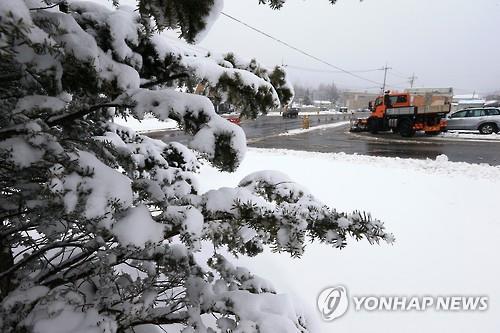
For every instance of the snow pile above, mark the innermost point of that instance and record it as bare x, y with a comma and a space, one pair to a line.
470, 135
314, 128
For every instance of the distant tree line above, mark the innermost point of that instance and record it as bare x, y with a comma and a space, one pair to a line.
324, 92
493, 97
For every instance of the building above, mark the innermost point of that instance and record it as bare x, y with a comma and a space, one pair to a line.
323, 105
358, 100
461, 102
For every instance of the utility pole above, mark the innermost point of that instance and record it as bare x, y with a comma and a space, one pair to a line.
385, 77
412, 80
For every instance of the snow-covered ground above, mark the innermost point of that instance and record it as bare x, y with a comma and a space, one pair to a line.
445, 218
146, 125
470, 135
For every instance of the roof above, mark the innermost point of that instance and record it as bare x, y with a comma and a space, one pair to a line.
467, 97
472, 101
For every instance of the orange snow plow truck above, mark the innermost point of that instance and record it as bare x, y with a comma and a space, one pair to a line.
405, 113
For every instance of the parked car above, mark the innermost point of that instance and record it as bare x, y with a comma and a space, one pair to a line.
486, 120
233, 118
291, 113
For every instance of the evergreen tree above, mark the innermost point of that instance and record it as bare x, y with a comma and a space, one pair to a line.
307, 98
100, 225
328, 92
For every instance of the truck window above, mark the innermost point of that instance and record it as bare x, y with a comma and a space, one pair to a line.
378, 101
402, 99
393, 100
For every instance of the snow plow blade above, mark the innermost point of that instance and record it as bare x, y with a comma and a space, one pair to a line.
359, 125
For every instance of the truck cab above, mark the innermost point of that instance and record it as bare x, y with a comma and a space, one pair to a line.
389, 101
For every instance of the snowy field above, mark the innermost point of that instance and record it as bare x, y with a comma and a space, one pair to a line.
445, 218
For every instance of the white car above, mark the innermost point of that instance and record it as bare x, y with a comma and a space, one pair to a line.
485, 120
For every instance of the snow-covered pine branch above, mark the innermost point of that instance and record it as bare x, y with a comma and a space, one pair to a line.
99, 225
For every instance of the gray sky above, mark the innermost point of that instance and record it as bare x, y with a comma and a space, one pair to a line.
444, 42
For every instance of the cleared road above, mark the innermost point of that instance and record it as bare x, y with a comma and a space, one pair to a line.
263, 133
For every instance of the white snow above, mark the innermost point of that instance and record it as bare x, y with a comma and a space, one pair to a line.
314, 128
147, 124
40, 102
24, 296
192, 219
105, 184
21, 152
470, 136
65, 319
123, 30
169, 103
222, 199
210, 68
138, 228
210, 19
443, 215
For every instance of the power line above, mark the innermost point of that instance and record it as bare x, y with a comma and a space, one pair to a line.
317, 70
401, 73
299, 50
399, 76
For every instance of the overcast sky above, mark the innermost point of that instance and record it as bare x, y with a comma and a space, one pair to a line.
446, 43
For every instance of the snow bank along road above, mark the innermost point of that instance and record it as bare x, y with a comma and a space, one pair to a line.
443, 215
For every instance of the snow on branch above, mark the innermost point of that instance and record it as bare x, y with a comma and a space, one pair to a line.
212, 133
270, 209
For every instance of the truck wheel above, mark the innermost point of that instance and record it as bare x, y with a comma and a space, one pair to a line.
488, 128
372, 125
406, 128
